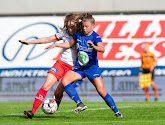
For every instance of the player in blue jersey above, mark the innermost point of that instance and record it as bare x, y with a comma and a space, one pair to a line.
88, 43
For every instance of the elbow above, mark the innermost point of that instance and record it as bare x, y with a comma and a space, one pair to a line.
103, 50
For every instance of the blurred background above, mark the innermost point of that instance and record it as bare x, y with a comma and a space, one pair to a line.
124, 26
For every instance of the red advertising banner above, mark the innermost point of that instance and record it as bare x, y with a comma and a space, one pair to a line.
123, 36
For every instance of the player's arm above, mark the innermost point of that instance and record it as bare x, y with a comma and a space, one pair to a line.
141, 69
99, 47
154, 64
62, 45
40, 40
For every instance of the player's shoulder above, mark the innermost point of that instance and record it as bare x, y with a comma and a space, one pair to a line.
143, 53
151, 53
64, 33
96, 35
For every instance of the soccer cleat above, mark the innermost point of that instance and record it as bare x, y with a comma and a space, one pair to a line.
29, 114
119, 115
80, 107
147, 99
156, 98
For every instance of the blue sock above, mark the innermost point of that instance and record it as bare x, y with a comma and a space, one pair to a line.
110, 102
77, 83
70, 90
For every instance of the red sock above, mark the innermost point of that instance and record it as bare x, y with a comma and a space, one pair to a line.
39, 99
155, 90
146, 93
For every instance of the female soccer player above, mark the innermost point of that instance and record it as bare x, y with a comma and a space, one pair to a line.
88, 43
64, 64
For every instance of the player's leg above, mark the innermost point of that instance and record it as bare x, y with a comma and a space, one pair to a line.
40, 96
94, 76
146, 88
146, 93
70, 77
155, 90
154, 86
77, 83
54, 74
58, 93
59, 89
98, 83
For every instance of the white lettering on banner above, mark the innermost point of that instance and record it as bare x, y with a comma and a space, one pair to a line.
116, 73
24, 73
160, 72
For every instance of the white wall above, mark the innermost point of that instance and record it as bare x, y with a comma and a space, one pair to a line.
65, 6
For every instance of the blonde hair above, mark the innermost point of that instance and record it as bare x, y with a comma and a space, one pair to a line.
74, 17
67, 17
88, 17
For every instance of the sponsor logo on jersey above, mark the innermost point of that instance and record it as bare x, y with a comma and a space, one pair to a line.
83, 58
96, 75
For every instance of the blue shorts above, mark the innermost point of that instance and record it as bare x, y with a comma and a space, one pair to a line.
91, 72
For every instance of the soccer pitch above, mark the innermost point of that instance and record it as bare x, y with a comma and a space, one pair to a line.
98, 113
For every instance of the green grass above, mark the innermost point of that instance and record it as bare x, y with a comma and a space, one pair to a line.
98, 113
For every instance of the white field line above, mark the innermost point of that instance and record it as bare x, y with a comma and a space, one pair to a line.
67, 110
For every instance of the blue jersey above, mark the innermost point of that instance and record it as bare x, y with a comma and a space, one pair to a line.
87, 56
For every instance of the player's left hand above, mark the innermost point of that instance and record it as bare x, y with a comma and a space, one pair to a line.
151, 69
90, 44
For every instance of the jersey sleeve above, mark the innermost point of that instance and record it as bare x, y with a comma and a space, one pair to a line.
59, 35
97, 39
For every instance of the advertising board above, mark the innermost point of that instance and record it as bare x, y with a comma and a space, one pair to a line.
123, 37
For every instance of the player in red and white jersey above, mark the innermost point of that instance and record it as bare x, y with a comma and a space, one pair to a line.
68, 55
64, 64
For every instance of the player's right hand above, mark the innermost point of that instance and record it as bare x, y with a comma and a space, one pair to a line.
23, 42
140, 74
50, 46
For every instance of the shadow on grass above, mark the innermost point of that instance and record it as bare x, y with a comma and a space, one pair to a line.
36, 117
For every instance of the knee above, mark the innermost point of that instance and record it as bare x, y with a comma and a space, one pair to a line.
46, 86
64, 82
102, 92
